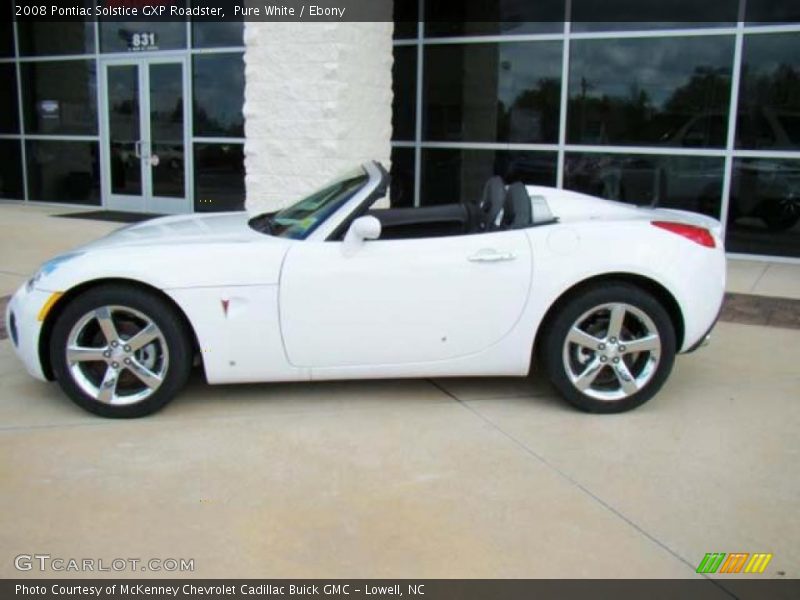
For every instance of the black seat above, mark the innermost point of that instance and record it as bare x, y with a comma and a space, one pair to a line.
518, 212
484, 213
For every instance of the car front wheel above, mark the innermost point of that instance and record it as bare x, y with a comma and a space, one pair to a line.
120, 351
609, 349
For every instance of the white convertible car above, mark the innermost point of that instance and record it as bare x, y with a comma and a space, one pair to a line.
601, 294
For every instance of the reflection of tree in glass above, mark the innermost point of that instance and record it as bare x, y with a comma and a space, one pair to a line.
637, 117
204, 122
707, 89
542, 101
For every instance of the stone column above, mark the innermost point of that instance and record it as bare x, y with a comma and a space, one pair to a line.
318, 100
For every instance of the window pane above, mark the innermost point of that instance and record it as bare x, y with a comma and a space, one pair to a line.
38, 38
124, 129
764, 213
402, 182
655, 91
166, 129
492, 92
493, 17
7, 34
218, 177
216, 34
684, 182
60, 97
9, 111
218, 95
406, 15
11, 170
452, 176
404, 77
772, 11
135, 36
63, 171
615, 15
769, 93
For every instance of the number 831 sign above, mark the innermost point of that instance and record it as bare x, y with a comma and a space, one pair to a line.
142, 40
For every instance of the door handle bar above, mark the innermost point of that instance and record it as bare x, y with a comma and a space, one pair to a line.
491, 256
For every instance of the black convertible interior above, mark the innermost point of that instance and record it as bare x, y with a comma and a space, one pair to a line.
499, 208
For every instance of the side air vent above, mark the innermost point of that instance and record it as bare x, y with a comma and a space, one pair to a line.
12, 328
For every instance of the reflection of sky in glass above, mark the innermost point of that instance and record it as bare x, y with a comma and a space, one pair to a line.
657, 66
765, 53
523, 65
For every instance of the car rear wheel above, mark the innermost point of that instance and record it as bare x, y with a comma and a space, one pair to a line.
609, 349
120, 351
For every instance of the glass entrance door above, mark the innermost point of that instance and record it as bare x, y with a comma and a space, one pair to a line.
145, 139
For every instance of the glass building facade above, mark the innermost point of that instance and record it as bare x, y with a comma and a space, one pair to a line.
701, 115
133, 116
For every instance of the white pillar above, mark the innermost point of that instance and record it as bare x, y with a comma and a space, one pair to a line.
318, 101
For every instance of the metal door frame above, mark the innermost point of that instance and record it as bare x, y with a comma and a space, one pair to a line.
147, 202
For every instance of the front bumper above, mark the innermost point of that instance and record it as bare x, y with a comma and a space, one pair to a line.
25, 307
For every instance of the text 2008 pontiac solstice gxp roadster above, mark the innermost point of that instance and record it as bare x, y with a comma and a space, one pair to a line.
604, 294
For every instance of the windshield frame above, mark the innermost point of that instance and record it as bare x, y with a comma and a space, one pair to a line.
352, 183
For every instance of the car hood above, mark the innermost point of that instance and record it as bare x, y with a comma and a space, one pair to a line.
212, 250
184, 229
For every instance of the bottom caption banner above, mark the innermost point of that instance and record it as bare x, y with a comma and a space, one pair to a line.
427, 589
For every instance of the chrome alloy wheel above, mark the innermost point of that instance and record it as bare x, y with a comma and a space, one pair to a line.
612, 351
117, 355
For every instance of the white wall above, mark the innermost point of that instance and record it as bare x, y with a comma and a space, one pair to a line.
318, 100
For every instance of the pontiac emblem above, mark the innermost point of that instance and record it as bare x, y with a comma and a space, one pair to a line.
225, 304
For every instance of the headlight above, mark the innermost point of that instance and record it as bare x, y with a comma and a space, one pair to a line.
48, 267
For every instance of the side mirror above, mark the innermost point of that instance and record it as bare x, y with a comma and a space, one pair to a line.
361, 230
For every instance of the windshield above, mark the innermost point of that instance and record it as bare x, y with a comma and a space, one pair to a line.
300, 219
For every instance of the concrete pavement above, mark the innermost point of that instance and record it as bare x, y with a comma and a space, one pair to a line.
761, 278
452, 478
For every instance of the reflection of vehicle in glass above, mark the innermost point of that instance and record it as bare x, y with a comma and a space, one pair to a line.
169, 155
767, 189
332, 288
530, 167
125, 154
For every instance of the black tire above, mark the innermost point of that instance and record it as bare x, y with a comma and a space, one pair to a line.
160, 312
552, 348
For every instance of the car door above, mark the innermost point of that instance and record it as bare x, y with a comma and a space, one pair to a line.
401, 301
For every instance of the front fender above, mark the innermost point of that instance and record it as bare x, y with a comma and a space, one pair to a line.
172, 267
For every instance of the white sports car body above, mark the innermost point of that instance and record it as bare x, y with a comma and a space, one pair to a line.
329, 289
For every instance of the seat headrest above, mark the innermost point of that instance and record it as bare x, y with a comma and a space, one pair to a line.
519, 204
494, 193
491, 203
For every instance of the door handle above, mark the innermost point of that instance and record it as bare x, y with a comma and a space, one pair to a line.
491, 255
137, 148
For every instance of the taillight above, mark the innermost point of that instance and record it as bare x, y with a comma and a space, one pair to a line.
691, 232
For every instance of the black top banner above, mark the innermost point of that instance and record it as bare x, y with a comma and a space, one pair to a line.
661, 13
